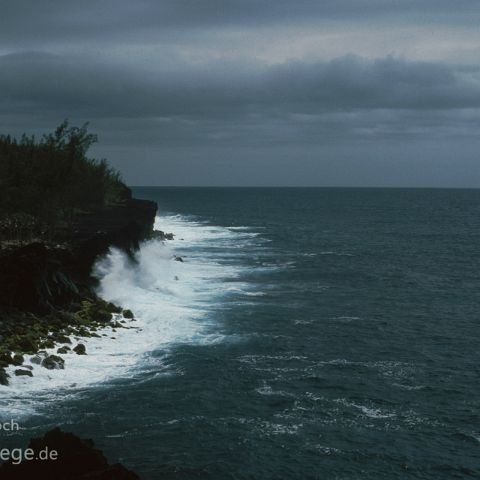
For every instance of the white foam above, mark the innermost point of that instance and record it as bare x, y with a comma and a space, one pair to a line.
267, 390
370, 412
173, 303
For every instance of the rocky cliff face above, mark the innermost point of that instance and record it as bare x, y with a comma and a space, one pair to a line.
122, 227
40, 276
41, 286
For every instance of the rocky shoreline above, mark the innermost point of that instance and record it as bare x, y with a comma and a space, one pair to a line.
47, 293
26, 335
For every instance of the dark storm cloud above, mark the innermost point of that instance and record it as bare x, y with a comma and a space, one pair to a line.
274, 79
29, 22
97, 89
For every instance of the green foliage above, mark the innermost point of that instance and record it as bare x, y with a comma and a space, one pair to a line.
43, 184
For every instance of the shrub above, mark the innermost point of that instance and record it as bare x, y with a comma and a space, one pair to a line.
48, 181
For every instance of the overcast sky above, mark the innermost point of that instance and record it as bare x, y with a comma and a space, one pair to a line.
253, 92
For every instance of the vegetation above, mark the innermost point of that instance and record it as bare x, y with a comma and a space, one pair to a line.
45, 183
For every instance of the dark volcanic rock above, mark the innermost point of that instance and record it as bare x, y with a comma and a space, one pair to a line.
46, 287
159, 235
62, 339
78, 459
33, 278
41, 276
128, 314
112, 308
36, 359
25, 373
80, 349
17, 360
122, 227
53, 362
3, 377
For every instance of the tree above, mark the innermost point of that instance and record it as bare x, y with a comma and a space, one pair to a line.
52, 180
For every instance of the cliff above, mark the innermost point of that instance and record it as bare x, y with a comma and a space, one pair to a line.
47, 291
39, 276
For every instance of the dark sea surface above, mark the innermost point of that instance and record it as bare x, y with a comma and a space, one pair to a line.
312, 334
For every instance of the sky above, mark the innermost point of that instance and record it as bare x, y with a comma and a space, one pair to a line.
253, 92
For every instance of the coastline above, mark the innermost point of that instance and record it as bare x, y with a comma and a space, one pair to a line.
47, 291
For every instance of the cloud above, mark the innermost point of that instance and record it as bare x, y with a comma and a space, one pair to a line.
94, 88
67, 23
344, 83
224, 74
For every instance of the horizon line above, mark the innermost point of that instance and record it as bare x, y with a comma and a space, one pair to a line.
308, 186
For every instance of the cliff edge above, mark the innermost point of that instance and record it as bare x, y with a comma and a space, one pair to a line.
59, 211
40, 276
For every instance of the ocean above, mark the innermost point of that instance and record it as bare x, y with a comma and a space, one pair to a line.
307, 334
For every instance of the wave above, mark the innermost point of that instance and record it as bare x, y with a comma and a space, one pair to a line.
174, 302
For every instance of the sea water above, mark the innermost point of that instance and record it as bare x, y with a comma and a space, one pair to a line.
307, 334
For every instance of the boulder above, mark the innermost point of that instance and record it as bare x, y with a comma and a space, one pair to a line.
159, 235
36, 359
23, 373
47, 343
3, 377
53, 362
28, 344
80, 349
62, 339
17, 360
112, 308
128, 314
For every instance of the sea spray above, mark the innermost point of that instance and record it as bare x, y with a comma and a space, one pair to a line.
173, 302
